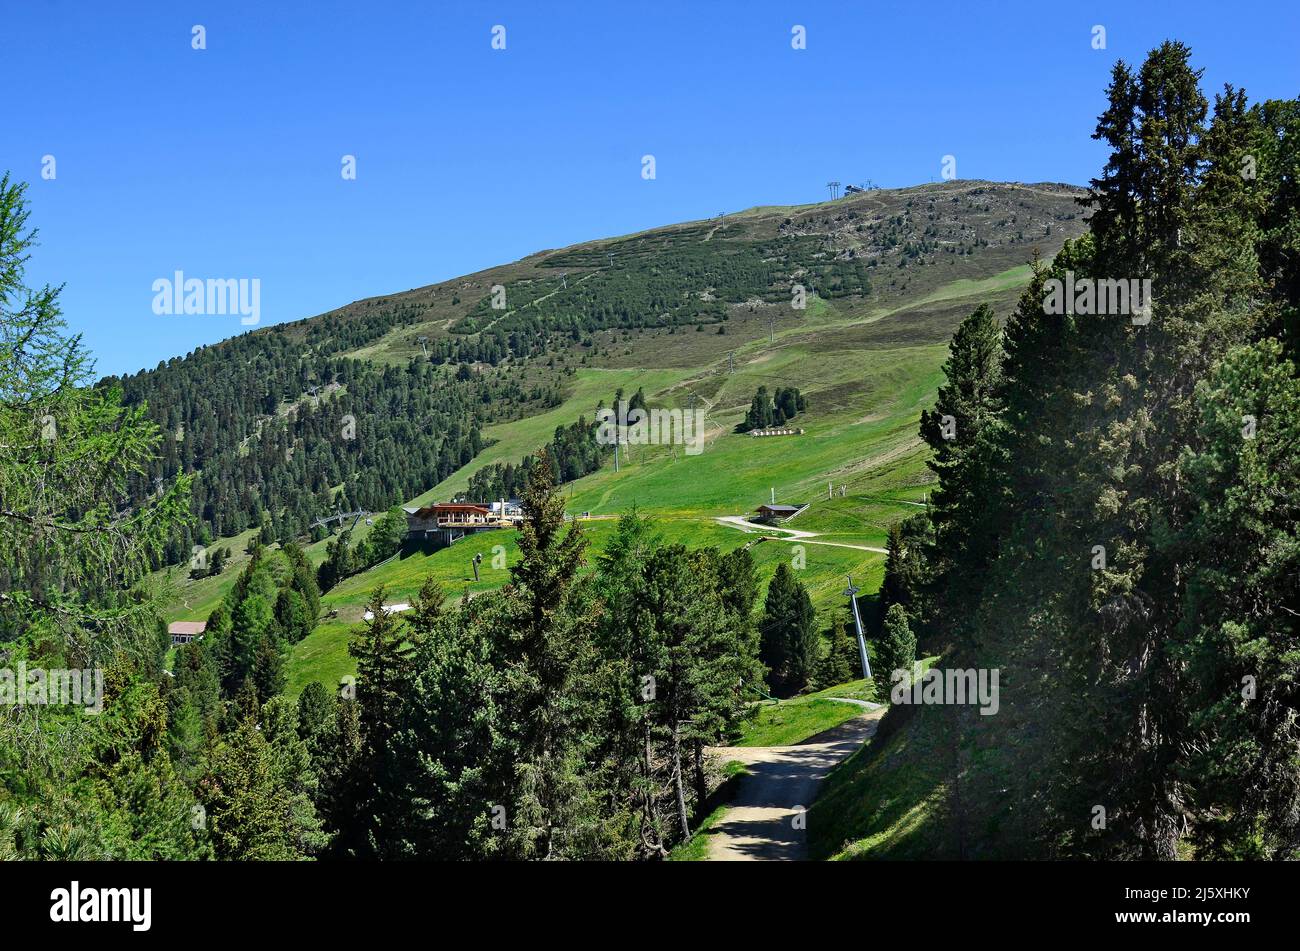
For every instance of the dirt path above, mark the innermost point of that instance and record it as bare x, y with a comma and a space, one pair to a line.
791, 534
760, 824
531, 303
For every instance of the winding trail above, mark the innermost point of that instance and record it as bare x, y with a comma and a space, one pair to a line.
534, 301
791, 534
762, 823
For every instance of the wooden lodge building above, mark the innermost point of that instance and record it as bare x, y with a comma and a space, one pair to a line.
444, 523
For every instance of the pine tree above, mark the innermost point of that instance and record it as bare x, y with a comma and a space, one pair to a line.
895, 651
789, 639
727, 652
294, 772
185, 733
1086, 577
627, 641
382, 665
196, 671
343, 790
338, 563
291, 615
1115, 198
1277, 177
1239, 643
761, 411
547, 648
836, 665
960, 431
685, 638
249, 810
427, 610
383, 675
678, 650
318, 722
454, 745
893, 587
304, 581
251, 630
71, 557
268, 670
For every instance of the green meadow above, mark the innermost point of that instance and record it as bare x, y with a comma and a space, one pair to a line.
787, 722
514, 440
859, 466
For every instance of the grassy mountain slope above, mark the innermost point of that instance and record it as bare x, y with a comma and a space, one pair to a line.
890, 274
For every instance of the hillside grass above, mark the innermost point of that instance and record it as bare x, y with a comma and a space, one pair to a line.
886, 801
868, 367
193, 599
792, 721
889, 800
516, 439
860, 431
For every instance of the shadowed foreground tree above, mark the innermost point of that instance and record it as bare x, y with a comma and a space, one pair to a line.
1118, 539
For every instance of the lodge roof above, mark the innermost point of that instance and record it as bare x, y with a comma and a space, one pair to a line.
438, 507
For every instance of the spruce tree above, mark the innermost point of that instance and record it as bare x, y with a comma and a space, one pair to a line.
427, 610
634, 656
837, 664
546, 650
895, 651
295, 772
249, 810
455, 744
317, 722
72, 556
383, 675
1238, 645
959, 431
788, 644
725, 646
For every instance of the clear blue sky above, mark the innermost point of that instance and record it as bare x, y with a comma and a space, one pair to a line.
225, 162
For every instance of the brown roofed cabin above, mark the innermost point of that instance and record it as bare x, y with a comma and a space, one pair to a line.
777, 513
182, 632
